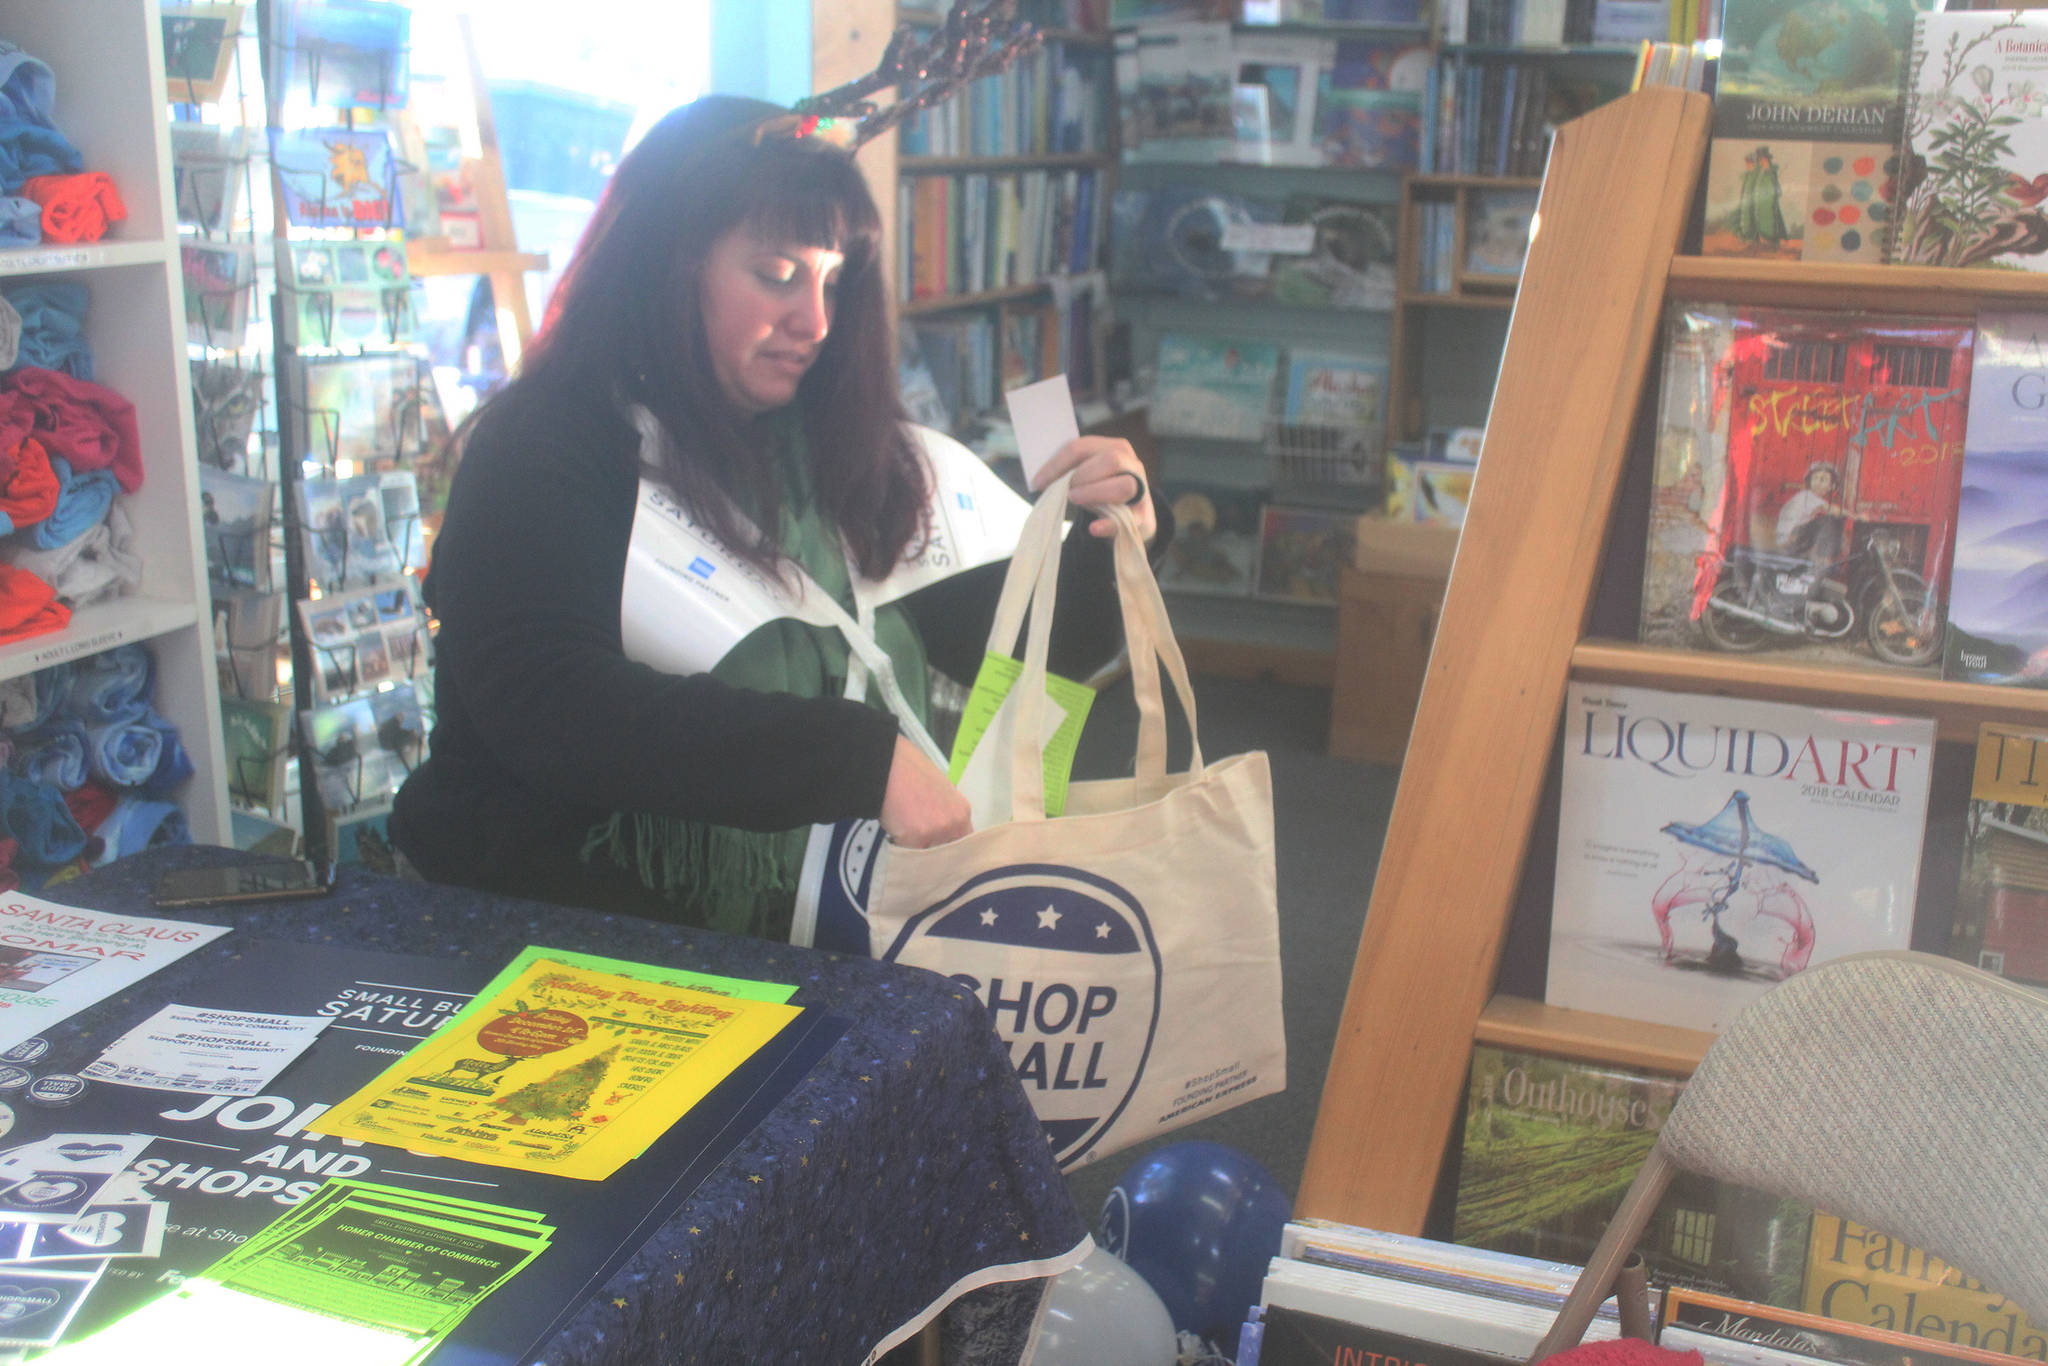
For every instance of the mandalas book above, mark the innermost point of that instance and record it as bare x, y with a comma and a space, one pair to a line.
1710, 847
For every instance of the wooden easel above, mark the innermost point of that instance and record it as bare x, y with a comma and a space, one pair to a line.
1614, 203
1574, 376
500, 258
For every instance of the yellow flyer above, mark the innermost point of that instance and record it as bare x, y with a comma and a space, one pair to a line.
566, 1070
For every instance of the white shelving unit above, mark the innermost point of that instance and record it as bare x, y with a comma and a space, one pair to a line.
108, 60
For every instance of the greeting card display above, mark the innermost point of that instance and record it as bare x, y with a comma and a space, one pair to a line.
344, 294
220, 282
336, 178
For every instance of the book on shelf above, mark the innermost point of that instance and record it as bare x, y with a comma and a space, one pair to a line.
1998, 592
961, 355
1350, 260
1056, 101
1180, 99
1433, 492
1303, 553
1215, 546
1296, 1337
1710, 847
916, 385
1973, 152
1866, 1277
2001, 913
1341, 391
1419, 1320
1549, 1149
1491, 114
1806, 123
1288, 68
1457, 445
1806, 475
1369, 130
970, 233
1724, 1328
1192, 241
1220, 388
1498, 224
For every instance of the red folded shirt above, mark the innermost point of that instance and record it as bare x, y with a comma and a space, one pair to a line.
29, 493
76, 208
1622, 1352
88, 424
28, 606
90, 803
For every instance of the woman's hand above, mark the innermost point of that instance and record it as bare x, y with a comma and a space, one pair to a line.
1106, 471
920, 805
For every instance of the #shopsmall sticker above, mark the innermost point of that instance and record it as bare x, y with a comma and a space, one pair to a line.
1067, 967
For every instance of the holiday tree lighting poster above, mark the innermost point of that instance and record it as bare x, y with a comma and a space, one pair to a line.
563, 1069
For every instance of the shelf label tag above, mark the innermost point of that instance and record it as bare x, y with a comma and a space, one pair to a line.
1277, 239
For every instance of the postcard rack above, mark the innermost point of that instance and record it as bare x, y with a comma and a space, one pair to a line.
1540, 554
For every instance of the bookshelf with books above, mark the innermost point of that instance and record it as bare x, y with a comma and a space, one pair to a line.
101, 343
1267, 231
1545, 598
1001, 207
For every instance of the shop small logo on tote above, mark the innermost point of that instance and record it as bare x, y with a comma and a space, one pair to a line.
1067, 967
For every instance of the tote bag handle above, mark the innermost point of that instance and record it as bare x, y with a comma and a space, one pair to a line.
1032, 584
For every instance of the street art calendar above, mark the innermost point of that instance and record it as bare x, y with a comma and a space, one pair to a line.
1710, 847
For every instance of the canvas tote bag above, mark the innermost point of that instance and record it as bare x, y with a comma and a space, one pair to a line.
1127, 951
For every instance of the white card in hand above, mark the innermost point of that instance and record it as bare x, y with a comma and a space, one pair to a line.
1043, 416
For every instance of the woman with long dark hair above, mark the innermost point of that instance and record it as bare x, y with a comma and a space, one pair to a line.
719, 356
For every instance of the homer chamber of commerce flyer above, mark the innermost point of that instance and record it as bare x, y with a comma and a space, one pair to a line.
56, 960
564, 1070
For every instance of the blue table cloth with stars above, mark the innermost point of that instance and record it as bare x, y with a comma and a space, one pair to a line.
905, 1168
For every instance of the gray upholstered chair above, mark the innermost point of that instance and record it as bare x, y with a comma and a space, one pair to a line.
1906, 1092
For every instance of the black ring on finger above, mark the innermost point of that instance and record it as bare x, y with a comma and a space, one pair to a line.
1139, 496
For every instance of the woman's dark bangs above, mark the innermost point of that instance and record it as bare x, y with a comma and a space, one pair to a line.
815, 199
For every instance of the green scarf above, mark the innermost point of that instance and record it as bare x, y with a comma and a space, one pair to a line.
745, 881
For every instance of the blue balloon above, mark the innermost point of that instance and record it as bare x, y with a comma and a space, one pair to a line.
1199, 1221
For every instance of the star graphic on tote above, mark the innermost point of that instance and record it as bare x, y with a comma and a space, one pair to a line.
1102, 930
1048, 919
988, 917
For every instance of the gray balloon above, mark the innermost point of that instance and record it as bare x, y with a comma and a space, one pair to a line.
1101, 1313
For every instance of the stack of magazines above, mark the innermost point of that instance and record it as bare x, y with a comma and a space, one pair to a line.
1342, 1294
